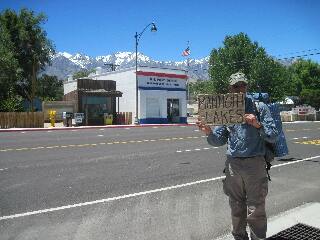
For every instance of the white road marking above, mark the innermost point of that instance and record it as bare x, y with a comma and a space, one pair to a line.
296, 138
154, 127
127, 128
132, 195
23, 132
100, 135
37, 148
196, 149
293, 162
49, 131
196, 130
74, 130
2, 169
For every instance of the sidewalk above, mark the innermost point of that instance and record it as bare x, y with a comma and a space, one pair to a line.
306, 214
59, 126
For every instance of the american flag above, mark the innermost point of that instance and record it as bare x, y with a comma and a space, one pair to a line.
186, 52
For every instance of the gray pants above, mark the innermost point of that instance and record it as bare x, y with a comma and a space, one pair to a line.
246, 184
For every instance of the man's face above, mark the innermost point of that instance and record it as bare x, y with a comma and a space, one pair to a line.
239, 87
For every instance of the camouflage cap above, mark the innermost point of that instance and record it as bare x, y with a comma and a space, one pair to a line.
238, 77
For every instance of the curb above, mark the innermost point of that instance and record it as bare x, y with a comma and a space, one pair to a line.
94, 127
112, 126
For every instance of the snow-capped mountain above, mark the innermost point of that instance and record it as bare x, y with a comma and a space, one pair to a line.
64, 64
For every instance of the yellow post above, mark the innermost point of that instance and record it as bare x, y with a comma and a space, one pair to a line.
52, 117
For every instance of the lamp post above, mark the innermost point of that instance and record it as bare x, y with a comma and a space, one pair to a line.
137, 37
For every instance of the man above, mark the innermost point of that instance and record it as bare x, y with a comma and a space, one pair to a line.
246, 182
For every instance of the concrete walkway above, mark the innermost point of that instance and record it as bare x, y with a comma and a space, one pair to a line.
307, 214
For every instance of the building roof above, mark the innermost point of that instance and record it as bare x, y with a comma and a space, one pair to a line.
102, 92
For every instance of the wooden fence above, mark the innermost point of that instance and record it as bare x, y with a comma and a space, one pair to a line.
124, 118
21, 120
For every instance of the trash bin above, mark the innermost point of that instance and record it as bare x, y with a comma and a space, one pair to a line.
108, 119
67, 119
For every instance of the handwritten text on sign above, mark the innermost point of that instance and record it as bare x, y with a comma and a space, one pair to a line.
222, 109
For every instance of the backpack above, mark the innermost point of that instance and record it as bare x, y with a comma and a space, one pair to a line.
279, 148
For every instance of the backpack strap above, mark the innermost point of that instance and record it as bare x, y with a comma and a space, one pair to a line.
268, 167
257, 110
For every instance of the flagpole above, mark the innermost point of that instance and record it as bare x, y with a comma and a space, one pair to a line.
186, 53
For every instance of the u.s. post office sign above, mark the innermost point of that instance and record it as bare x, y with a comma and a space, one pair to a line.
161, 81
222, 109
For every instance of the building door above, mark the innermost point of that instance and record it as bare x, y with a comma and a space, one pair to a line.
173, 110
153, 108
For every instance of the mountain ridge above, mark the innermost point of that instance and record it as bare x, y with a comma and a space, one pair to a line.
64, 64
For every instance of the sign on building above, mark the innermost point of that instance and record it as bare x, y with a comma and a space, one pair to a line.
222, 109
152, 80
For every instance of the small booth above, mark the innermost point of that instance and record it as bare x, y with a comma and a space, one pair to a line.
161, 93
93, 99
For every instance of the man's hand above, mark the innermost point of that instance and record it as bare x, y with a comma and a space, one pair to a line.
203, 127
252, 120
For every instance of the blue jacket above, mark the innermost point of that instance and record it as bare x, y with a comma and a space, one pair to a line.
245, 140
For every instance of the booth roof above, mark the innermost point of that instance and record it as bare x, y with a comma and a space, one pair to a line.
102, 92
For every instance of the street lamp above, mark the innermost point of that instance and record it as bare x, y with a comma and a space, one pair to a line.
137, 37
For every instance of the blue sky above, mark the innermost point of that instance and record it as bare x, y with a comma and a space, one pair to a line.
105, 27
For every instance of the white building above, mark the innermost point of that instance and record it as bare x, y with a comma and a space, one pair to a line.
161, 93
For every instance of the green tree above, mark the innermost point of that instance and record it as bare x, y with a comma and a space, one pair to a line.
11, 104
30, 47
240, 54
9, 74
311, 97
201, 87
49, 88
305, 75
82, 73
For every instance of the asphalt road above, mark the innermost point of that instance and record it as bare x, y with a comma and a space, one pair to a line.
50, 169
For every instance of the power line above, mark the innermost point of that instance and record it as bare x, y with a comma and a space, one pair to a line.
309, 50
300, 56
278, 59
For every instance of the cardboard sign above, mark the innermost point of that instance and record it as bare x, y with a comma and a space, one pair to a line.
222, 109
